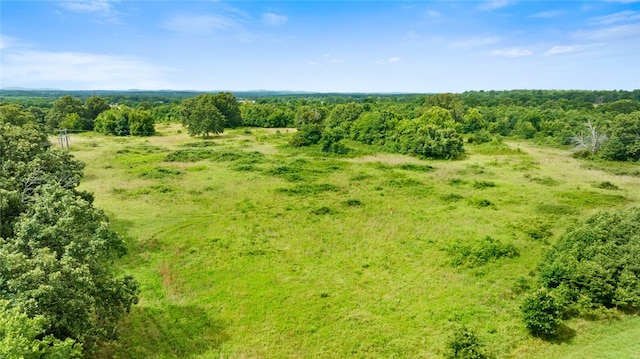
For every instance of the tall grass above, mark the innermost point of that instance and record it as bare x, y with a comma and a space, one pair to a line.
252, 249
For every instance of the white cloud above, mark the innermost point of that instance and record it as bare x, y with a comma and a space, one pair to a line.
495, 4
391, 60
433, 13
103, 6
475, 41
559, 50
274, 19
201, 24
548, 14
613, 33
622, 16
24, 67
512, 53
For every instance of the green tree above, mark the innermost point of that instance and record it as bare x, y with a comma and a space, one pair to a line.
25, 337
72, 122
16, 115
56, 249
228, 106
624, 138
201, 116
94, 106
473, 121
125, 121
597, 260
61, 109
141, 123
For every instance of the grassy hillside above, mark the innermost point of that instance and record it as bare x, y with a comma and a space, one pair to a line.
247, 248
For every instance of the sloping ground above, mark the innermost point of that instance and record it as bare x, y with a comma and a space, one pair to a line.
247, 248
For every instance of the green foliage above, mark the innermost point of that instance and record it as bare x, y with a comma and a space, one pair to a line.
542, 312
25, 337
228, 106
56, 249
201, 116
428, 140
597, 260
624, 138
464, 343
125, 121
62, 107
307, 135
94, 106
480, 252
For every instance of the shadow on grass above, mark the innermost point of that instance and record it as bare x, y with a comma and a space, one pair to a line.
564, 335
170, 331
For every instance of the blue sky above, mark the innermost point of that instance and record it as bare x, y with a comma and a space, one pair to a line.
324, 46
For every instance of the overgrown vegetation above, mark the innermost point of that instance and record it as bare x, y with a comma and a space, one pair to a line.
593, 265
58, 294
329, 241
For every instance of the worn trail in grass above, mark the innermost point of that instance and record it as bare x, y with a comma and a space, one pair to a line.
247, 248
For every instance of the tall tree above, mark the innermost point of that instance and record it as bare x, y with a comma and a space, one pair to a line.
56, 249
94, 106
201, 116
228, 106
61, 109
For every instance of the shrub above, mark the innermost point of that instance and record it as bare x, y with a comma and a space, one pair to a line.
465, 344
481, 252
598, 260
542, 312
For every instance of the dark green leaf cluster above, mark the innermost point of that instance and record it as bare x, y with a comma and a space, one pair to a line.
56, 249
594, 265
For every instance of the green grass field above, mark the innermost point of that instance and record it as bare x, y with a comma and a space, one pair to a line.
247, 248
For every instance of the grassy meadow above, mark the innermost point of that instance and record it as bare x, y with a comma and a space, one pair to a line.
247, 248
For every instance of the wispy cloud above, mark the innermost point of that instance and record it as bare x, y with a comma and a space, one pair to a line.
100, 6
202, 24
103, 8
561, 49
512, 53
79, 70
475, 42
612, 33
25, 65
391, 60
622, 16
495, 4
274, 19
433, 13
327, 59
548, 14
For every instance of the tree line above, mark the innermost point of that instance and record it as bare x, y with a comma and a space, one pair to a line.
59, 296
597, 124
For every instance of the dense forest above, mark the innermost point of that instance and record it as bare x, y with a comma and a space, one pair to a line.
60, 295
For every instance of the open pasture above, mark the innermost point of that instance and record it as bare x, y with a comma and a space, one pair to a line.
247, 248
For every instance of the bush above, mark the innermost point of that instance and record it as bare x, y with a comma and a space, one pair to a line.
598, 260
481, 252
542, 312
465, 344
